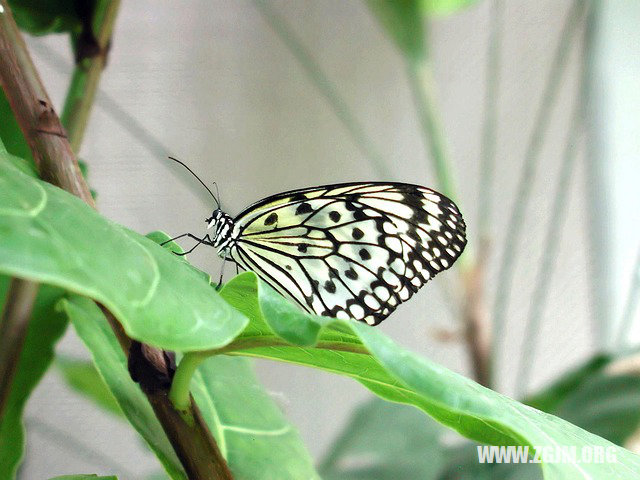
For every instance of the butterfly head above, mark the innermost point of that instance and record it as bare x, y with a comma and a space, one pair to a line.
222, 225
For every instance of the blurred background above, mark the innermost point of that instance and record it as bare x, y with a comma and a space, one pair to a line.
535, 109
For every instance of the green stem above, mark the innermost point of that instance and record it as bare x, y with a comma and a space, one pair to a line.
86, 75
179, 393
528, 175
549, 259
598, 194
422, 86
488, 154
325, 86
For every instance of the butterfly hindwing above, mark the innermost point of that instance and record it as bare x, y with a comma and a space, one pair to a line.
353, 250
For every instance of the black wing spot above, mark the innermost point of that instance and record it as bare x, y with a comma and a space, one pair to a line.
271, 219
333, 272
288, 267
335, 216
303, 208
351, 273
298, 196
329, 286
302, 248
357, 233
359, 215
364, 254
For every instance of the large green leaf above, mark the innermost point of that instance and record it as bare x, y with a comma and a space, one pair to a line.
463, 465
364, 353
596, 399
252, 433
45, 328
10, 132
403, 22
40, 17
94, 330
386, 441
549, 398
50, 236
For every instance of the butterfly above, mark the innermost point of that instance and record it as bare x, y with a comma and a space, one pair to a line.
351, 250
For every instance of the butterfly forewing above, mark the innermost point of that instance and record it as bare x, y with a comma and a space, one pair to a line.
353, 250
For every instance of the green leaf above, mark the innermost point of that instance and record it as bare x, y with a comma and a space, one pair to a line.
463, 465
592, 398
251, 431
94, 330
45, 328
10, 132
444, 7
365, 354
386, 441
84, 477
403, 22
40, 17
83, 377
52, 237
549, 398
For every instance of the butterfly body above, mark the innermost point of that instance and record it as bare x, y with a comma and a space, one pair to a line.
352, 250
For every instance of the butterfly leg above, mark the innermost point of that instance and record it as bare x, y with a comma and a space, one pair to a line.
204, 240
224, 262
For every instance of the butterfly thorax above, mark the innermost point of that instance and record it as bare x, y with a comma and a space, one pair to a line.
223, 231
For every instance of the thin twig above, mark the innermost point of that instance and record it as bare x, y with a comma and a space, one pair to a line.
193, 443
598, 197
548, 262
476, 318
489, 131
630, 305
325, 86
528, 174
14, 324
423, 90
470, 266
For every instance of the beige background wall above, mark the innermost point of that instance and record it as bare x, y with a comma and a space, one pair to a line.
210, 82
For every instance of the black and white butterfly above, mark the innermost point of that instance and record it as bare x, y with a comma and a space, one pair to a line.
351, 250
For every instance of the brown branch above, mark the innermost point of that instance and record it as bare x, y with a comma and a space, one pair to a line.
476, 318
57, 164
13, 330
34, 112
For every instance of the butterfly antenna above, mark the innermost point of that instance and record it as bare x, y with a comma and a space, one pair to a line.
198, 178
215, 184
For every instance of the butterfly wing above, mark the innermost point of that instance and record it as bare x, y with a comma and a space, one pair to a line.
353, 250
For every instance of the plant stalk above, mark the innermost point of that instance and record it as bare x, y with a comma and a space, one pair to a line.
57, 164
470, 266
528, 175
14, 324
34, 112
86, 75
